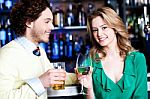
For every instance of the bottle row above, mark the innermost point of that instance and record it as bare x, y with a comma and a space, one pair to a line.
6, 33
61, 46
74, 15
137, 2
6, 4
66, 46
135, 25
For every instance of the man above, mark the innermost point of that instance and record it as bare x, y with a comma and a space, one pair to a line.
25, 72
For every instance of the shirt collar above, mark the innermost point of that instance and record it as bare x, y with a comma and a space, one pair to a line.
26, 44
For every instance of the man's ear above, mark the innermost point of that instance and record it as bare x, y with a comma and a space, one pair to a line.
29, 24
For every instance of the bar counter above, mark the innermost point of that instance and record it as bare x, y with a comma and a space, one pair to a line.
70, 92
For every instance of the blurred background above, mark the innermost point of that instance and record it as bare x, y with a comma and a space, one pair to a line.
70, 35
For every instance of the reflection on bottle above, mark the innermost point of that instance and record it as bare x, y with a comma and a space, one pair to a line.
3, 37
70, 16
61, 46
1, 4
8, 4
58, 17
55, 48
81, 15
77, 46
68, 46
2, 32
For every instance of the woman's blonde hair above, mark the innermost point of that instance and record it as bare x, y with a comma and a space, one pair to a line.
115, 22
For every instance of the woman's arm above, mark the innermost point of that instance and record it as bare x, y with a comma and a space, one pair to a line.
141, 82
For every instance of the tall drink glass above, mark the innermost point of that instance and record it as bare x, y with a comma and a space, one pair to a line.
59, 65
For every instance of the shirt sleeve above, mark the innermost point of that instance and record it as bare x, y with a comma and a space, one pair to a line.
36, 85
12, 89
141, 83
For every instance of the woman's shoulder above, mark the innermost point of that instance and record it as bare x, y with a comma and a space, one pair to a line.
136, 55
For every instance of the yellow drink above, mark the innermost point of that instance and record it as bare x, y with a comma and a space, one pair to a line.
59, 86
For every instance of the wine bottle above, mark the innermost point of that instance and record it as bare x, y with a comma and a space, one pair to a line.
61, 46
81, 15
70, 16
55, 48
2, 32
77, 46
1, 4
70, 47
58, 17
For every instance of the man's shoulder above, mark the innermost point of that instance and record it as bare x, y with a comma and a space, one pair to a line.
12, 47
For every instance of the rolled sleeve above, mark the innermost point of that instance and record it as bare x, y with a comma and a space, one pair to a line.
36, 85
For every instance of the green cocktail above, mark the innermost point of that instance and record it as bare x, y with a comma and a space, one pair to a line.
83, 70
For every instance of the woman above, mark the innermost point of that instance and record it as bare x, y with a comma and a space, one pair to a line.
119, 71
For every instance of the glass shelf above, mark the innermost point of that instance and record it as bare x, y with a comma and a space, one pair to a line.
4, 11
71, 28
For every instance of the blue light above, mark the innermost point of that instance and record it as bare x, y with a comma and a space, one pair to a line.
8, 4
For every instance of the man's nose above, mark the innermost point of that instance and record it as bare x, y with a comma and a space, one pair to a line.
51, 26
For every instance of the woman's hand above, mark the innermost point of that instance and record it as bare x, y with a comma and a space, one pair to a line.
87, 79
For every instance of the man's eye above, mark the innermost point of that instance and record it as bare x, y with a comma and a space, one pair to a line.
47, 22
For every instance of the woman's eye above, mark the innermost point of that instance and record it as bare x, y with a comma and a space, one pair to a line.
94, 30
104, 28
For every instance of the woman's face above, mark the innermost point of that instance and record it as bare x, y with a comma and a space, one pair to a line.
103, 34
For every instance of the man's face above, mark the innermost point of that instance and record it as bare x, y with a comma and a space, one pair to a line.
41, 28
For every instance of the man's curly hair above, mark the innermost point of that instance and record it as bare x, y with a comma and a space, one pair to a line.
26, 10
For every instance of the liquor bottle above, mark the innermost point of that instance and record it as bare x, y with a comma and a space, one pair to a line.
70, 47
58, 17
77, 46
2, 32
127, 2
91, 8
66, 44
9, 35
88, 43
51, 6
55, 48
81, 42
81, 15
48, 50
1, 4
61, 46
147, 43
70, 15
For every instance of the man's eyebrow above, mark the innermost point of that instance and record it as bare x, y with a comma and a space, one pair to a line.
48, 19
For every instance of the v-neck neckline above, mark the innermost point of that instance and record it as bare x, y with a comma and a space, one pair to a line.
110, 78
124, 82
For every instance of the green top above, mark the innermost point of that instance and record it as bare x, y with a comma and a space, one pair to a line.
132, 85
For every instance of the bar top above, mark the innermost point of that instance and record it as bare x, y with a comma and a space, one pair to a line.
68, 91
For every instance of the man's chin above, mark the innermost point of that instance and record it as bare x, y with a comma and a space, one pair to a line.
46, 41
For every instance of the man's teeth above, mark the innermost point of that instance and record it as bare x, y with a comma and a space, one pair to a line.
48, 33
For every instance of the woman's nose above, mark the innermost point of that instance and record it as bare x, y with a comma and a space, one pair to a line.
99, 32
